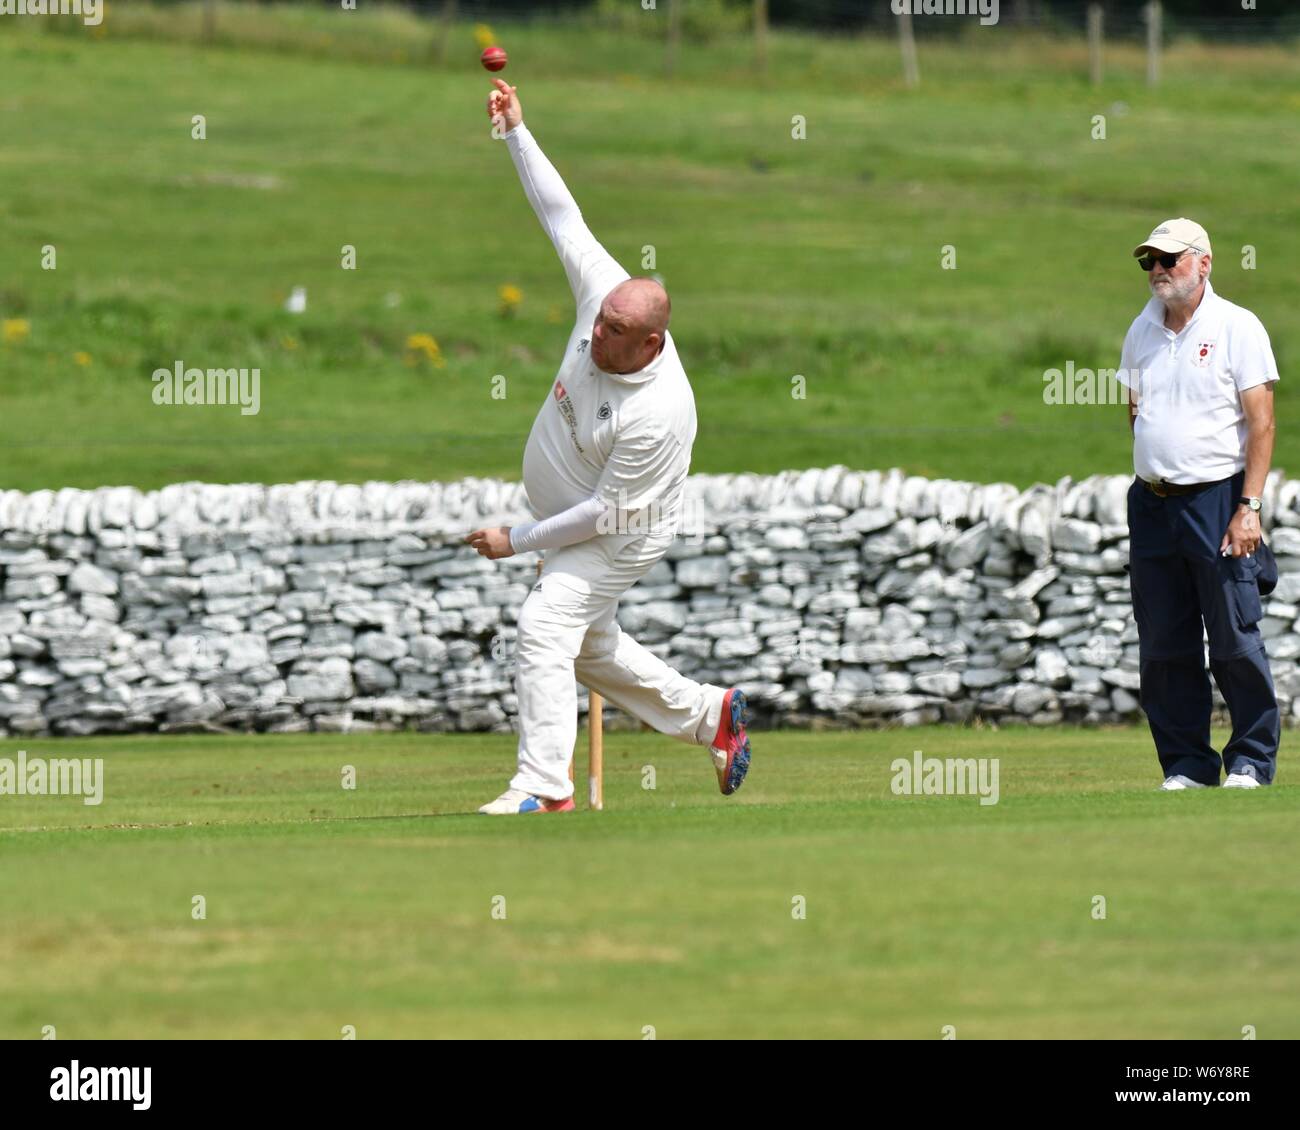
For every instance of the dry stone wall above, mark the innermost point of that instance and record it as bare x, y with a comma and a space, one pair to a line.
834, 597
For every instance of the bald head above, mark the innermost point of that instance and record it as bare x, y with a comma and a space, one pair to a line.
630, 328
642, 302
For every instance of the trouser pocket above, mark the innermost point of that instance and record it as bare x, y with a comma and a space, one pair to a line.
1241, 582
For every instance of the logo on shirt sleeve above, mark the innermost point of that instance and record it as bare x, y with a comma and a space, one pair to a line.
582, 345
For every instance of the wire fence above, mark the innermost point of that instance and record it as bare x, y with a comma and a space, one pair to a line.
678, 29
1123, 18
1204, 19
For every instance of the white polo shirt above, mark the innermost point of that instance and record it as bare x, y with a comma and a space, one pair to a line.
1190, 427
623, 437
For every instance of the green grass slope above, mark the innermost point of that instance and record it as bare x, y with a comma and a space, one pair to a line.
817, 258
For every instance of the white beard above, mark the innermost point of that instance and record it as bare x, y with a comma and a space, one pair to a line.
1177, 290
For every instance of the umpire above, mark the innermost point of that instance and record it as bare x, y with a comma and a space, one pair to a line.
1200, 374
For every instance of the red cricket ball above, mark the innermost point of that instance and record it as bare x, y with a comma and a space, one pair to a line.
494, 58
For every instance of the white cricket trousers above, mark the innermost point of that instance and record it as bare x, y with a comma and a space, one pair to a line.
568, 635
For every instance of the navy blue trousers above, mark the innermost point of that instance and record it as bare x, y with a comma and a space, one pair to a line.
1179, 580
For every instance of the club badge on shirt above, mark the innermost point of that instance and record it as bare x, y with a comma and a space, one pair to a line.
605, 412
565, 406
1204, 352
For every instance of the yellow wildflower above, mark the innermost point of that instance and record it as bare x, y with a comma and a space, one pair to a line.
14, 330
81, 357
424, 347
510, 296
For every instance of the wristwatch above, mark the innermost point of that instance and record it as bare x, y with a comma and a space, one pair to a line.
1254, 503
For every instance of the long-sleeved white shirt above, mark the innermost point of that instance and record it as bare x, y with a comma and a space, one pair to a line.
576, 524
623, 438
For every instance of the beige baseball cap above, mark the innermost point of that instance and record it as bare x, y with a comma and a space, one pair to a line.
1176, 235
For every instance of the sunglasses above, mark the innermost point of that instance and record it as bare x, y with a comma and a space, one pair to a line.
1166, 261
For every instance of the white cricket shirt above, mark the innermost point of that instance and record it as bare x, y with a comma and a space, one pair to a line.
623, 437
1190, 427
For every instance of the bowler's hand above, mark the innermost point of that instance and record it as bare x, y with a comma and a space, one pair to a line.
492, 543
503, 106
1243, 534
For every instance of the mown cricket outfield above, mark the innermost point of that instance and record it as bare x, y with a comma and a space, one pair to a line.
816, 902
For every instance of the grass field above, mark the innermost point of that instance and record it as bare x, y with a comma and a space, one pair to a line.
816, 257
672, 909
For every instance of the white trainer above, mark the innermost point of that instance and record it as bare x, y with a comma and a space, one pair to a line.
1178, 781
515, 802
1240, 781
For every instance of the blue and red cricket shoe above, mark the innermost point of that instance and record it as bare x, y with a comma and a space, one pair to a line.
730, 748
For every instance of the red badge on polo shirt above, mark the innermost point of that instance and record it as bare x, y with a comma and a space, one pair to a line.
1204, 351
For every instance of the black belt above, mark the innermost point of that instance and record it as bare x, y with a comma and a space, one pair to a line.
1163, 489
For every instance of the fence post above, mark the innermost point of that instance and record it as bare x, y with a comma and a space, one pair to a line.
907, 44
444, 29
1153, 15
760, 35
674, 35
1095, 33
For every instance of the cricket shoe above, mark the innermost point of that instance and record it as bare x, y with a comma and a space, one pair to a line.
1240, 781
515, 801
1178, 781
730, 748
